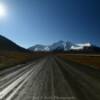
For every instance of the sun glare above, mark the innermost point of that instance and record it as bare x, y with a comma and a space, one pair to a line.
2, 10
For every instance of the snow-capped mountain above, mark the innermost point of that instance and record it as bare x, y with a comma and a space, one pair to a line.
39, 48
60, 46
80, 46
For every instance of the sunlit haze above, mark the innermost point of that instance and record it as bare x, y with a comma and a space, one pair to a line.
2, 10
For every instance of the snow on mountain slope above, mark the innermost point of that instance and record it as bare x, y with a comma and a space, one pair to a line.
81, 46
39, 48
60, 45
85, 45
76, 48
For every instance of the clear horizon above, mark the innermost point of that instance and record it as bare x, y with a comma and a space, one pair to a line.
44, 22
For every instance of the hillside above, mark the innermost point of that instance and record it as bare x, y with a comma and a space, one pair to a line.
8, 45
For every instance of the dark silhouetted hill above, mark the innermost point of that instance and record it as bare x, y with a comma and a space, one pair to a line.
8, 45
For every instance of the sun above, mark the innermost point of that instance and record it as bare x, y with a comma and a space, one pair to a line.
2, 10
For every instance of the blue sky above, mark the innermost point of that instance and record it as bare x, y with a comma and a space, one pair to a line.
30, 22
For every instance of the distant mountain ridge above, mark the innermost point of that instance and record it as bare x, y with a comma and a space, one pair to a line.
65, 46
60, 46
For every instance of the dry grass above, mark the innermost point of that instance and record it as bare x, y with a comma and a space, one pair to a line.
83, 59
8, 59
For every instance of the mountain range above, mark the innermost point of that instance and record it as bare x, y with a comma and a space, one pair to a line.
65, 46
60, 46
